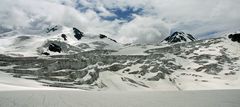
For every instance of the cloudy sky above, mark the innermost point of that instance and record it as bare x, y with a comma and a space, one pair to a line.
138, 21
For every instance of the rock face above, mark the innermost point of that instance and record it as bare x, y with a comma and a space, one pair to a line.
46, 53
52, 29
77, 34
235, 37
101, 36
179, 37
54, 48
113, 40
64, 36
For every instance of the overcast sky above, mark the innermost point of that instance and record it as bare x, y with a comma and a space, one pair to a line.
138, 21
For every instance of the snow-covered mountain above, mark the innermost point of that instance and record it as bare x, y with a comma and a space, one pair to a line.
179, 37
97, 62
56, 40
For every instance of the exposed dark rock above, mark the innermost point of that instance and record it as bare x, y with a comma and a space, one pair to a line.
54, 48
116, 67
231, 73
134, 72
204, 80
65, 47
81, 74
113, 40
127, 70
45, 53
64, 36
73, 76
223, 59
213, 69
101, 36
235, 37
155, 68
78, 34
201, 57
17, 76
144, 70
52, 29
165, 70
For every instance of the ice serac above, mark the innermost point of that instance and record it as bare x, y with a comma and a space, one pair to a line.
179, 37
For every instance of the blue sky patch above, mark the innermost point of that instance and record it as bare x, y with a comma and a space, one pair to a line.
120, 14
126, 14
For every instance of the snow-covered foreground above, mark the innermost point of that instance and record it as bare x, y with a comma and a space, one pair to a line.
18, 92
9, 83
50, 98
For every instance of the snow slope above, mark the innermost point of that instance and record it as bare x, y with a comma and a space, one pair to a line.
97, 62
9, 83
19, 43
201, 65
221, 98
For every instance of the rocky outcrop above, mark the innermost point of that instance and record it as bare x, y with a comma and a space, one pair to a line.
235, 37
113, 40
64, 47
52, 29
54, 48
64, 36
78, 34
101, 36
45, 53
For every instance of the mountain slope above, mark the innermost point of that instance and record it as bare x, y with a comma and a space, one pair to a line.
199, 65
17, 43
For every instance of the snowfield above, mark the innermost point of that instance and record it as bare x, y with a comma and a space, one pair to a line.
62, 68
220, 98
9, 83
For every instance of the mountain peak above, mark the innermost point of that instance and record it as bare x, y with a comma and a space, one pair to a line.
179, 37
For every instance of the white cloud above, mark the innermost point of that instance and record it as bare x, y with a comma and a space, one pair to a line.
144, 30
158, 18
